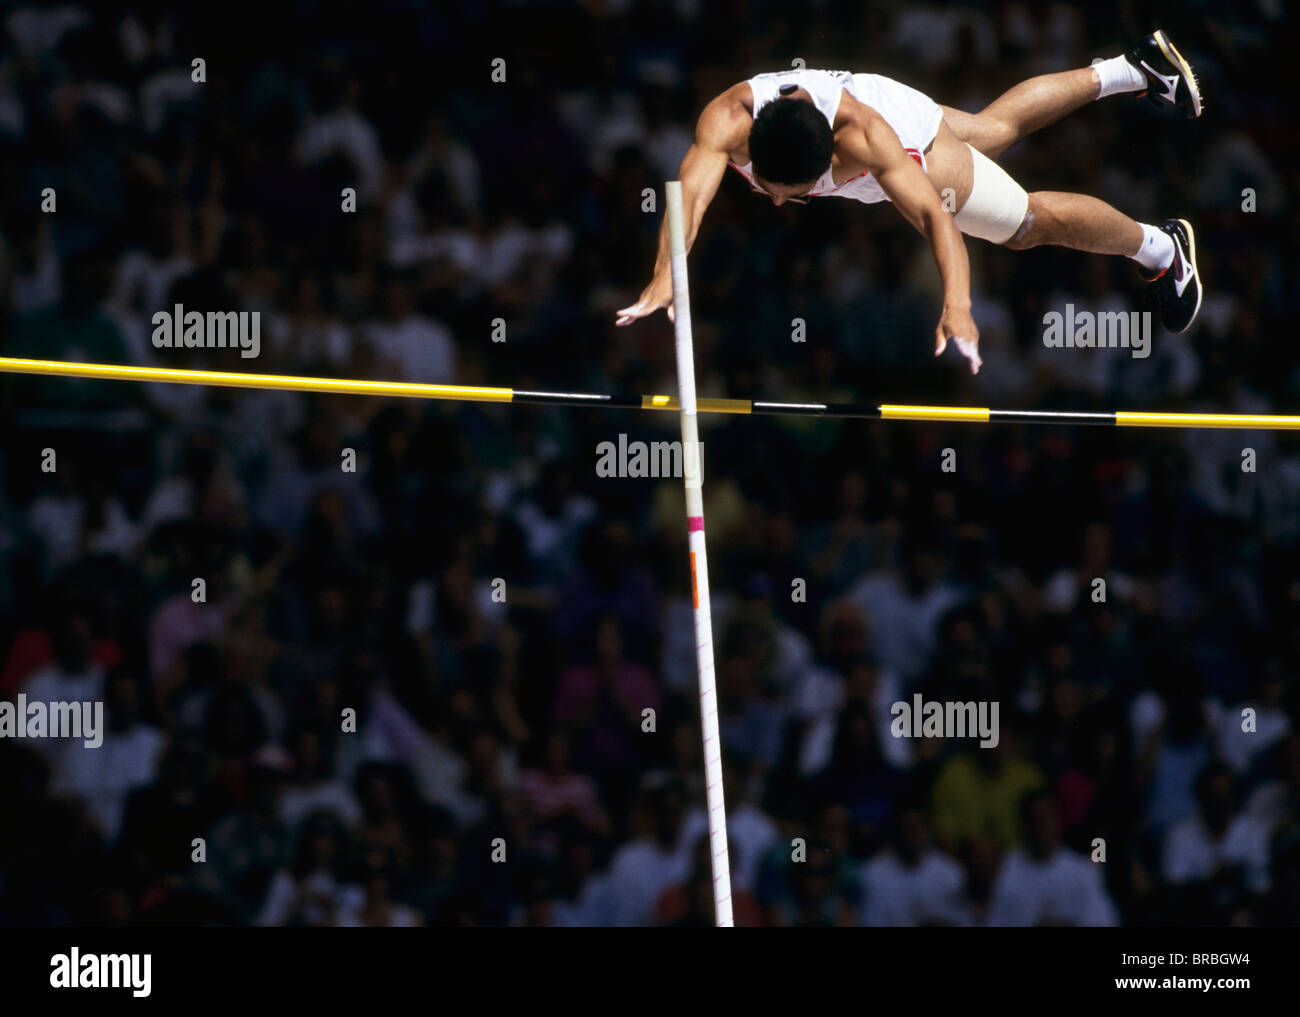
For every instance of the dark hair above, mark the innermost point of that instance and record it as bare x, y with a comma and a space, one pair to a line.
790, 142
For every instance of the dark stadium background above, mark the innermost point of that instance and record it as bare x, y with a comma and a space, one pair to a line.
521, 720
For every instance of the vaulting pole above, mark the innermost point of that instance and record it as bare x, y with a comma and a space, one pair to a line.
693, 472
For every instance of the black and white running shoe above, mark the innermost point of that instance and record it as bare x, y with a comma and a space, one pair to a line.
1176, 288
1169, 76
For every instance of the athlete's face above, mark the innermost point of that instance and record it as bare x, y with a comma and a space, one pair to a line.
781, 193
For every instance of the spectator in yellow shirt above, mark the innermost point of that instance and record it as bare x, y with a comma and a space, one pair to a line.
979, 792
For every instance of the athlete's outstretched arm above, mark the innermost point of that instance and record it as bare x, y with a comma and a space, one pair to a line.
913, 194
722, 127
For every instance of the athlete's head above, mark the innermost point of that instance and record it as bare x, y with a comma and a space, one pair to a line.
790, 147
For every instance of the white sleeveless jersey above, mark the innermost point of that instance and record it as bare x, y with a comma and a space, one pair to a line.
914, 117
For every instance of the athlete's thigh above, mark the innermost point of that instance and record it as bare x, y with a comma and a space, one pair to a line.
978, 131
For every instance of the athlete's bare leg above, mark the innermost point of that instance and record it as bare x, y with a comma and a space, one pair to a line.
1077, 221
949, 166
1053, 217
1029, 106
1167, 253
1154, 67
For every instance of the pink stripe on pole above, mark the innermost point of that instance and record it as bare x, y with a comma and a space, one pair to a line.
694, 523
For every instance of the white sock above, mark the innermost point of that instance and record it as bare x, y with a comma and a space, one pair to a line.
1118, 75
1157, 250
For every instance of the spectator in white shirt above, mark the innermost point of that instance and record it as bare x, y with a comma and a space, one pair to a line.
312, 892
750, 831
413, 347
912, 883
74, 676
904, 607
313, 784
377, 909
1241, 744
647, 866
343, 130
1213, 842
127, 758
1062, 591
1044, 883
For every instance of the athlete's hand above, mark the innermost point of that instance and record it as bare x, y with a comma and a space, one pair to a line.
658, 294
958, 325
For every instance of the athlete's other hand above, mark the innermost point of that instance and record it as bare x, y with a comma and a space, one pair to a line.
958, 325
658, 294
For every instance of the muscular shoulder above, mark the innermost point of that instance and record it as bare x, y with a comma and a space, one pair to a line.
725, 122
862, 134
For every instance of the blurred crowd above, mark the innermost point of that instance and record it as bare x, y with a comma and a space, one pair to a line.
457, 684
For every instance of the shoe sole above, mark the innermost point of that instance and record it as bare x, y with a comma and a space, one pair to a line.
1184, 68
1196, 272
